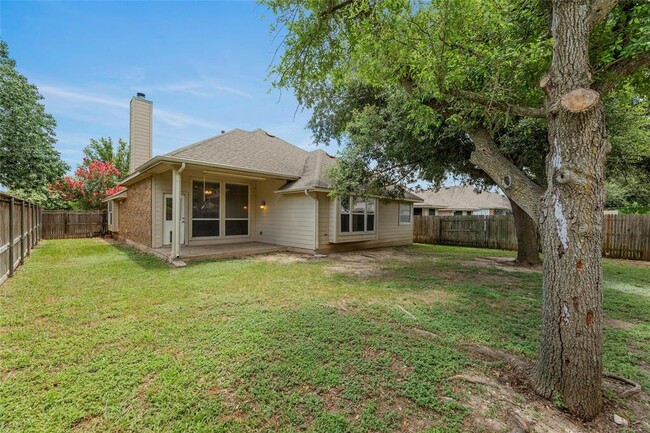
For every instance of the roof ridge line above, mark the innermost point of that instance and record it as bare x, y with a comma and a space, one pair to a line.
173, 152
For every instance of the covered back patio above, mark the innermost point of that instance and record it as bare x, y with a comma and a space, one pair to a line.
222, 251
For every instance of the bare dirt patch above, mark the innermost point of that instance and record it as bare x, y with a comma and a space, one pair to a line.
504, 264
369, 263
144, 387
501, 398
285, 258
89, 422
493, 406
619, 324
341, 305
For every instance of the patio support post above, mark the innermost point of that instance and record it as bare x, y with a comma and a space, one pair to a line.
176, 212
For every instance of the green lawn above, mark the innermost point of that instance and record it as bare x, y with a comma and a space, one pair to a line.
97, 337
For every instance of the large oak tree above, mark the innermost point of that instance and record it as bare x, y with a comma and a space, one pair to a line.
552, 60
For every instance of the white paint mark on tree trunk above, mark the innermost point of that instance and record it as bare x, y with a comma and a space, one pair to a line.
557, 158
562, 225
565, 313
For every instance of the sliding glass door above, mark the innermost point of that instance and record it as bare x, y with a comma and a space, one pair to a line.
216, 203
236, 209
206, 206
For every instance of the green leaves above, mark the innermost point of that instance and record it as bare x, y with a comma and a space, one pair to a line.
28, 159
103, 150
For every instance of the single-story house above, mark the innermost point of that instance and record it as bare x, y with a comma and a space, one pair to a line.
461, 200
243, 187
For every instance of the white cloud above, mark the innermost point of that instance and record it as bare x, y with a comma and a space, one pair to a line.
204, 88
84, 99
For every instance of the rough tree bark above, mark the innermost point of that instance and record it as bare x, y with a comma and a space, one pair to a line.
515, 184
523, 193
569, 364
527, 241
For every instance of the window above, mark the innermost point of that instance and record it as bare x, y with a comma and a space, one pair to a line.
110, 212
458, 212
417, 211
236, 209
405, 213
432, 212
357, 214
205, 209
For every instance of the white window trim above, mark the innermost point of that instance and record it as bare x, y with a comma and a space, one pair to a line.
399, 214
365, 219
222, 210
110, 213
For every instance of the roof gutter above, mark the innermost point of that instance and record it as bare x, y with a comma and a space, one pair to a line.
172, 159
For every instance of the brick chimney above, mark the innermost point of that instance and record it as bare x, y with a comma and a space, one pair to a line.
140, 131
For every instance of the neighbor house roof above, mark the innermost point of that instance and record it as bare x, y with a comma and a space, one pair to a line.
462, 198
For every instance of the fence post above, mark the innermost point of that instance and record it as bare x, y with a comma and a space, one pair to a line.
22, 232
12, 236
31, 226
38, 224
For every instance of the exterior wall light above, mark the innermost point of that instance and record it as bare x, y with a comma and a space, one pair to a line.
263, 205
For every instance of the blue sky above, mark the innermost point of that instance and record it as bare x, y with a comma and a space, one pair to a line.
203, 64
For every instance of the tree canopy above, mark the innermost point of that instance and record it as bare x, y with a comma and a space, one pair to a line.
28, 159
104, 150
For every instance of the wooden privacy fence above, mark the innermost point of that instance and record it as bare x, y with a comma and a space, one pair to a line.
70, 224
624, 236
20, 231
470, 231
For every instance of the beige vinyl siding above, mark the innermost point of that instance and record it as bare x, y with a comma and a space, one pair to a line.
140, 132
288, 218
388, 231
323, 219
388, 228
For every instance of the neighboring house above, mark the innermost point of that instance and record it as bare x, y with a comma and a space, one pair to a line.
461, 200
239, 187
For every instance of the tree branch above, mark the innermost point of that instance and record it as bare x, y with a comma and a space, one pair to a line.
514, 183
336, 7
620, 69
599, 11
497, 105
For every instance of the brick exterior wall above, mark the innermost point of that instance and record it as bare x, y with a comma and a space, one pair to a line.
135, 214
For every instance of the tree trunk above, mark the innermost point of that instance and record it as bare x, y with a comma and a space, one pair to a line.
526, 228
569, 365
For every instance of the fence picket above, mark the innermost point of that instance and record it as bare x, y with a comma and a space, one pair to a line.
64, 224
624, 236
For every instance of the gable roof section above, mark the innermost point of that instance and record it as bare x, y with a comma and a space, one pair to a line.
252, 150
462, 198
313, 174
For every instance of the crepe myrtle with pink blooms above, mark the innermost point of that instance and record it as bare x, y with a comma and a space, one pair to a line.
90, 185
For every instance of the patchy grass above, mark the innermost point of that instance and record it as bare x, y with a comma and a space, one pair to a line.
97, 337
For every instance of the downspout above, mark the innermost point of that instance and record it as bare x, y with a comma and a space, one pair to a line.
315, 218
176, 204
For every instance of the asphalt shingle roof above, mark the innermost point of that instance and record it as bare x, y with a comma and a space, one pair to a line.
254, 150
462, 198
262, 152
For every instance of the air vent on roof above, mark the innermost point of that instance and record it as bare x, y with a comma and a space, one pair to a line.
223, 131
270, 135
